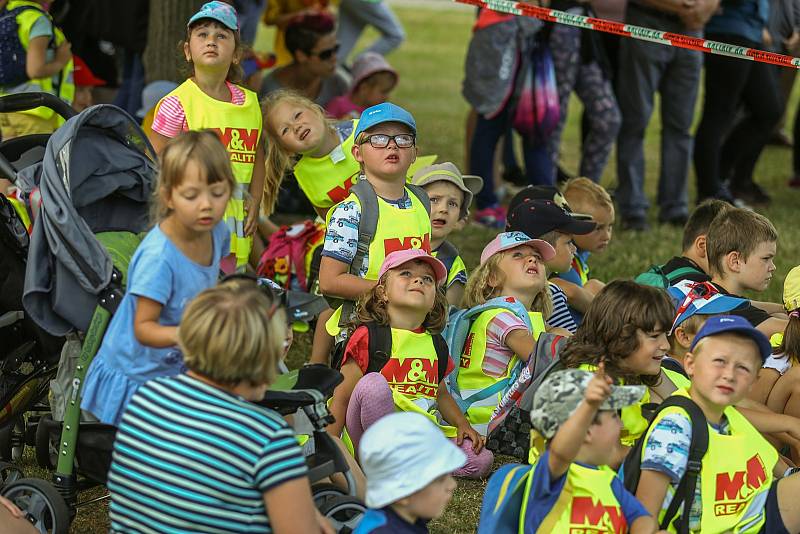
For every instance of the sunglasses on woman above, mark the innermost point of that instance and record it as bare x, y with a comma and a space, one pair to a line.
382, 140
325, 55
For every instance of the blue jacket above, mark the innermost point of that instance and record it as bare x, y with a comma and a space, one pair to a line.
742, 18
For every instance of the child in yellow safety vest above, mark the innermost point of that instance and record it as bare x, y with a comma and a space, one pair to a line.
512, 267
211, 99
741, 485
409, 374
572, 489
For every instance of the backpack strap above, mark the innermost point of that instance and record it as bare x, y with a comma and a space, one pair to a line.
442, 354
380, 346
677, 274
447, 254
421, 195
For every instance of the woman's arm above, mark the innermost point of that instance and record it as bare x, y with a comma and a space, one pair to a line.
290, 509
146, 327
341, 396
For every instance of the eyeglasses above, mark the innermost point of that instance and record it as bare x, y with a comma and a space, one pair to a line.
382, 140
328, 53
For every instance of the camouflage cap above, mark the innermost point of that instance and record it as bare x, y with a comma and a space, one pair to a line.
559, 396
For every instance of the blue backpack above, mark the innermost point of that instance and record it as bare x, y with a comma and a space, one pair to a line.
502, 500
455, 334
13, 55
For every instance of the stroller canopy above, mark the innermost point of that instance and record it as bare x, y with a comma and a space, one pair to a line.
97, 175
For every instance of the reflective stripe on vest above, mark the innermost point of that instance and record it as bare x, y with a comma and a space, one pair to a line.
472, 378
733, 485
239, 129
586, 504
676, 378
66, 87
327, 182
412, 372
581, 268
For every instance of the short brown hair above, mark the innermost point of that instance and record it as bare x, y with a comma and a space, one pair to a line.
582, 191
233, 333
736, 230
700, 220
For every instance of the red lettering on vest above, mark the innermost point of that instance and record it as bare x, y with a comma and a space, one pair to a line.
240, 143
734, 489
340, 192
394, 244
411, 370
468, 344
586, 510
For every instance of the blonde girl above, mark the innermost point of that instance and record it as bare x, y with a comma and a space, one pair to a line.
511, 275
408, 299
177, 259
210, 98
320, 151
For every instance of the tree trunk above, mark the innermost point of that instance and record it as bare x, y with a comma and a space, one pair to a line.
165, 30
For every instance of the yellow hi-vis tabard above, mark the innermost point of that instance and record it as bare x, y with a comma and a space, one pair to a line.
735, 478
587, 504
239, 129
471, 377
61, 84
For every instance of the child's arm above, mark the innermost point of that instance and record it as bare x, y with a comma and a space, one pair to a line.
336, 281
771, 326
644, 524
652, 489
148, 330
455, 293
771, 308
570, 436
341, 396
290, 508
36, 64
452, 414
158, 141
577, 297
594, 286
521, 342
256, 190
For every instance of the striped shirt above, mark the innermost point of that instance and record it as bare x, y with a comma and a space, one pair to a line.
189, 457
170, 120
498, 355
561, 317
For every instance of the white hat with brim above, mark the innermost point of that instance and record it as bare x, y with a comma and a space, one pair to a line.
401, 454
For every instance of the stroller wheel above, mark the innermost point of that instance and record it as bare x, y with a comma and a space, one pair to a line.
343, 512
324, 491
9, 473
12, 440
46, 450
42, 505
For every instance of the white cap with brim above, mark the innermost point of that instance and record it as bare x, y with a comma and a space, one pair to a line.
401, 454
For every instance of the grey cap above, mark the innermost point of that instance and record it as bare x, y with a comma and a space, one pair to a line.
559, 396
469, 184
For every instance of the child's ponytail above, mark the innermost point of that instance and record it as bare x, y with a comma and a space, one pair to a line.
790, 344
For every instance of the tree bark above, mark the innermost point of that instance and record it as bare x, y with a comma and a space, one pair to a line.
165, 30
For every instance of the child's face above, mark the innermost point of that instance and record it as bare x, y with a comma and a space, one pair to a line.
604, 435
376, 88
565, 250
723, 368
195, 203
430, 501
523, 270
83, 98
211, 46
299, 129
411, 286
597, 240
756, 271
646, 359
446, 200
391, 162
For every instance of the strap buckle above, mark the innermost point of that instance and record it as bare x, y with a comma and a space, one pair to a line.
694, 466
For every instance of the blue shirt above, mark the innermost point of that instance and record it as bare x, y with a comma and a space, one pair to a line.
742, 18
161, 272
190, 457
386, 521
545, 492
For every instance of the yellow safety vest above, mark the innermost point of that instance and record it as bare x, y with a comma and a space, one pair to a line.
63, 88
239, 129
412, 372
735, 478
327, 180
586, 504
456, 267
398, 229
581, 268
678, 379
472, 378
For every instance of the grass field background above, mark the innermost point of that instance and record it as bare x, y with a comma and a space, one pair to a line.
430, 64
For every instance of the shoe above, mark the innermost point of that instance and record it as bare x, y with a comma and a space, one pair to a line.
751, 194
491, 217
780, 138
678, 221
515, 176
635, 224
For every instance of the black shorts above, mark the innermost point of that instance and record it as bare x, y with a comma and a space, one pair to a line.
774, 521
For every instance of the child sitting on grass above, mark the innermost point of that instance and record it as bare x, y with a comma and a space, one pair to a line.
373, 81
408, 474
586, 197
198, 438
451, 195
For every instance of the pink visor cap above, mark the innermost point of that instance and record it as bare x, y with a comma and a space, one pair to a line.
509, 240
399, 257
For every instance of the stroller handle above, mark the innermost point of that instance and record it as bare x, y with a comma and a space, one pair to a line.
25, 101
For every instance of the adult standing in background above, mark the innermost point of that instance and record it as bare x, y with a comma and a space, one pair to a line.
355, 15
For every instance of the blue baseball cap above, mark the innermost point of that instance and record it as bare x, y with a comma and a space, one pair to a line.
223, 13
385, 112
700, 298
733, 323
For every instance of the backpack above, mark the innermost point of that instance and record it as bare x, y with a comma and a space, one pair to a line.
380, 350
447, 254
502, 500
684, 493
367, 227
284, 259
656, 277
13, 56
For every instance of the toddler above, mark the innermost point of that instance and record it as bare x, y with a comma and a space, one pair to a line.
373, 81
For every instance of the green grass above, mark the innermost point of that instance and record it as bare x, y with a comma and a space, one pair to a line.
431, 64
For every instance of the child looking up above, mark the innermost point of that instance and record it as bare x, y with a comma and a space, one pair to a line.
513, 268
586, 197
211, 99
409, 376
245, 465
451, 195
408, 474
373, 81
177, 259
577, 412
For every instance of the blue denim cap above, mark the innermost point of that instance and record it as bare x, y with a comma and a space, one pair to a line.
385, 112
223, 13
733, 323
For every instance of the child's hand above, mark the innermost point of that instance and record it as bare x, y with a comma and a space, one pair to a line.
251, 210
599, 387
12, 508
466, 431
64, 53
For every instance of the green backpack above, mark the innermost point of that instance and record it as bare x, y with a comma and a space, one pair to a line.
656, 277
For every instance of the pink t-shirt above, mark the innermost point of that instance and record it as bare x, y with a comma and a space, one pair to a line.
170, 120
341, 107
498, 354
